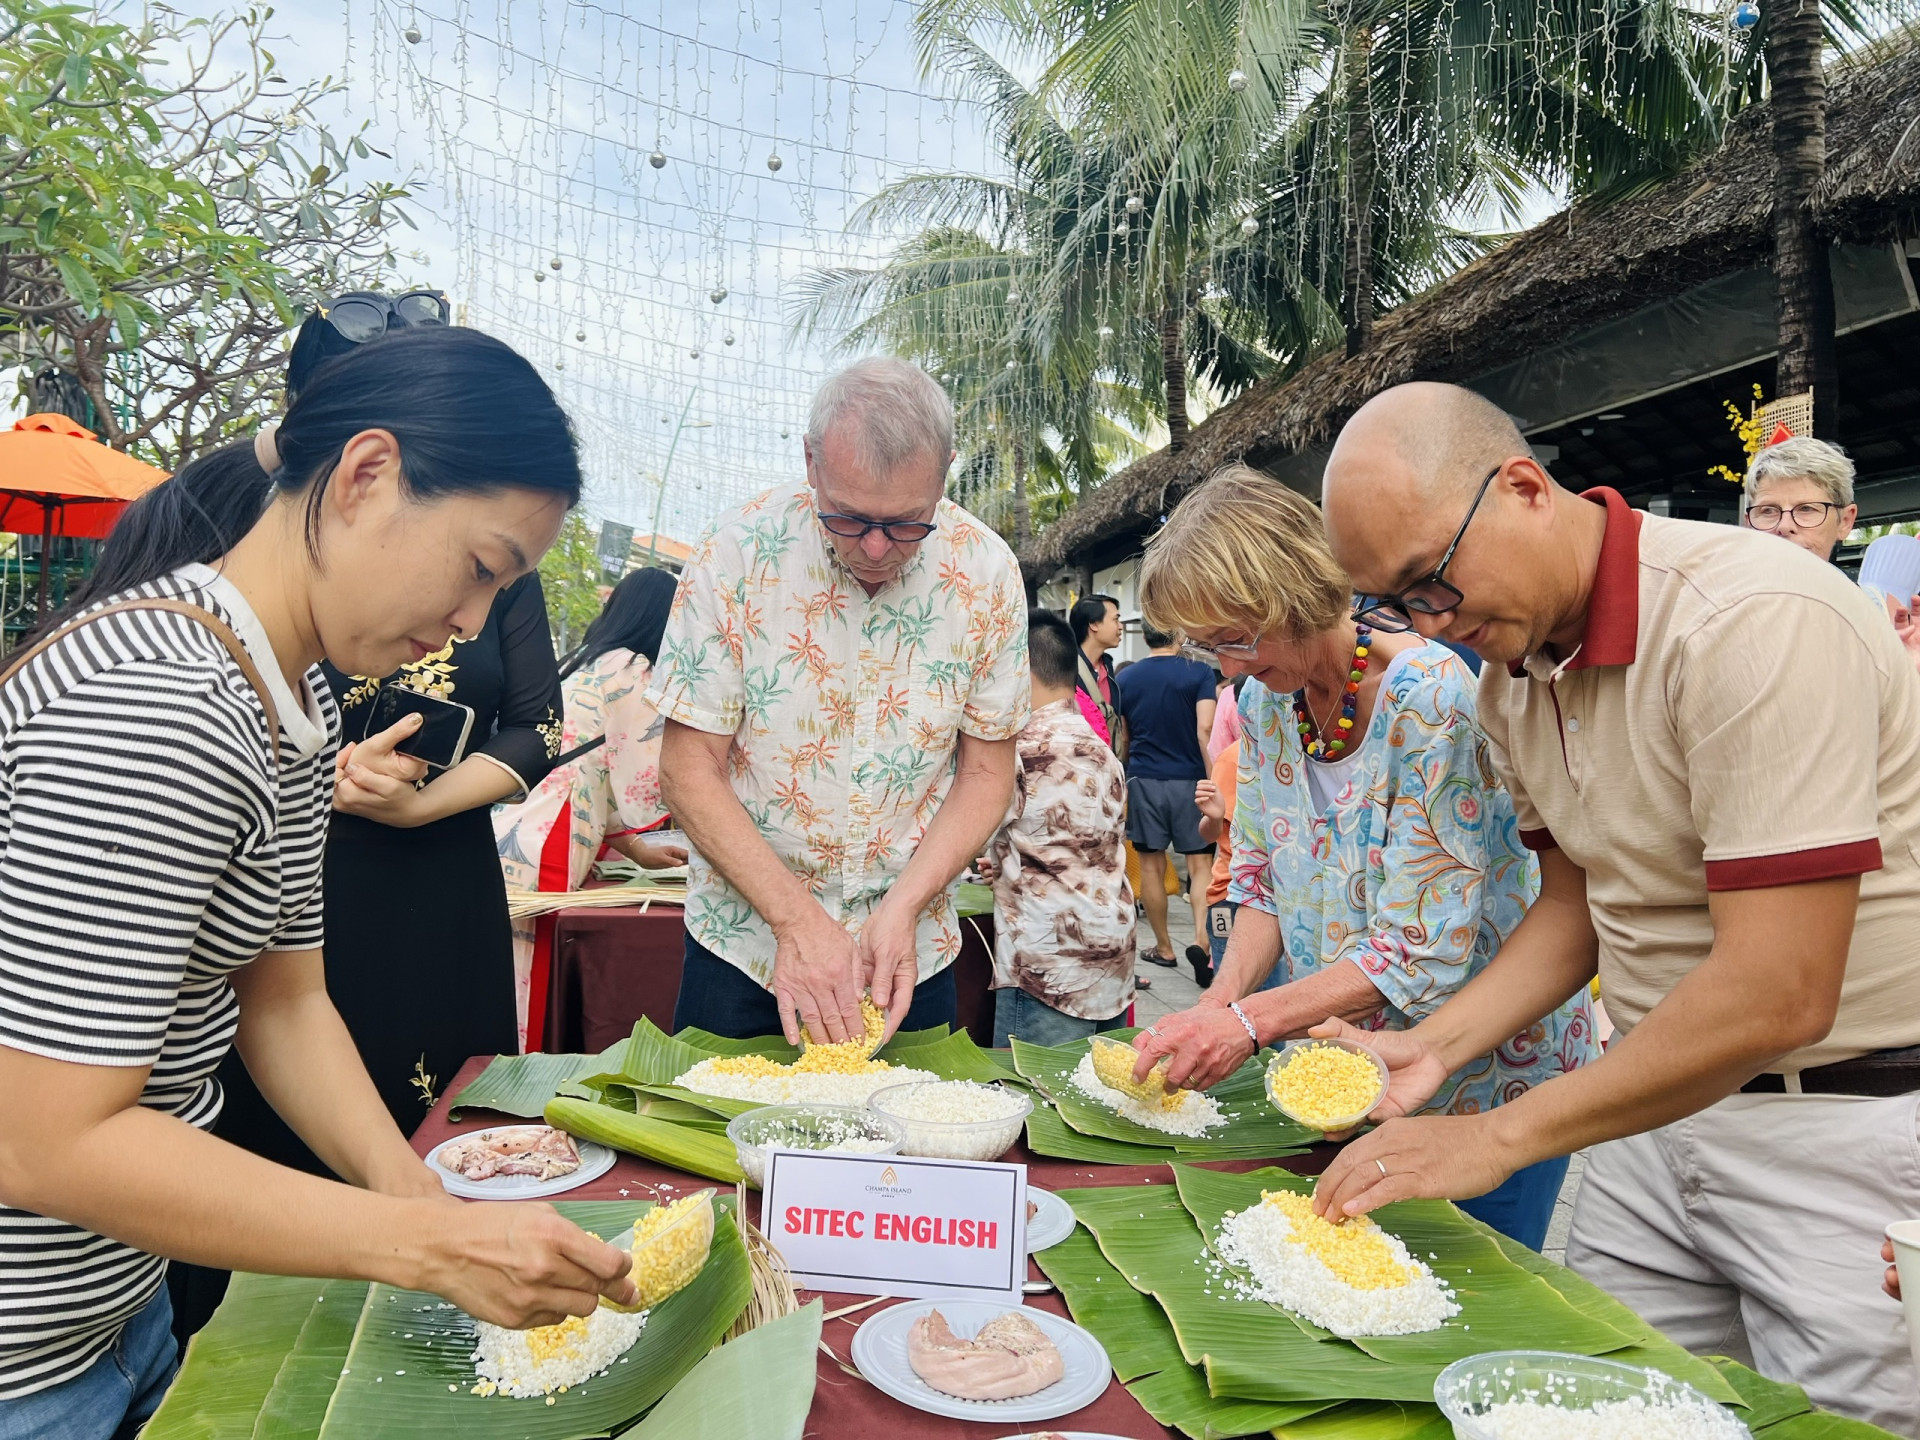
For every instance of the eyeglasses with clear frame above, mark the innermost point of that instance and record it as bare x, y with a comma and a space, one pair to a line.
1431, 595
1240, 652
1806, 515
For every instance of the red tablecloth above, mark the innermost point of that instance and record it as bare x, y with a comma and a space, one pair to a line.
612, 967
844, 1406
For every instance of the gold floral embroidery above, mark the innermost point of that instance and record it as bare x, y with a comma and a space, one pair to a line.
361, 693
550, 731
431, 675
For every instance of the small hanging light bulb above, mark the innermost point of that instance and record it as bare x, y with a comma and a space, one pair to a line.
658, 160
1120, 230
559, 364
413, 34
539, 277
1236, 80
554, 263
783, 434
727, 339
1135, 204
774, 162
717, 294
1106, 332
1013, 293
695, 352
1249, 227
1011, 365
580, 335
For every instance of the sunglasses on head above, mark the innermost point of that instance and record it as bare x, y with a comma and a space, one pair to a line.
363, 315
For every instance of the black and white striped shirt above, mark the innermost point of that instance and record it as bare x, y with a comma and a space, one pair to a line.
147, 850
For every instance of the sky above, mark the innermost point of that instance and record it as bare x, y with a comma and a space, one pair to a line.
529, 127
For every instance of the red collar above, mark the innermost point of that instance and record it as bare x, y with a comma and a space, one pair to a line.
1613, 606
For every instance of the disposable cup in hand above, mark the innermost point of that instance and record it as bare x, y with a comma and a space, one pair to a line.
1905, 1235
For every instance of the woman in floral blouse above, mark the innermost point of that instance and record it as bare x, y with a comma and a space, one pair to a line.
606, 794
1376, 861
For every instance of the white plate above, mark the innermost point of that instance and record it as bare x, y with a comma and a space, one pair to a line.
880, 1354
1052, 1222
595, 1161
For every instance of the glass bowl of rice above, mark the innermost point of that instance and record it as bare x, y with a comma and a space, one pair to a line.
1545, 1395
1334, 1087
954, 1119
809, 1127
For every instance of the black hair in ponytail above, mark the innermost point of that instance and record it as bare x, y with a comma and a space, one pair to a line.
470, 414
634, 618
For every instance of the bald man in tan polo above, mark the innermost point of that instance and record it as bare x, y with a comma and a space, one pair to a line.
1711, 740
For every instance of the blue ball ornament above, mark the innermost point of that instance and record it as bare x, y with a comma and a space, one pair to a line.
1746, 15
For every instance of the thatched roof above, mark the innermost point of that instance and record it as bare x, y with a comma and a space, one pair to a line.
1580, 269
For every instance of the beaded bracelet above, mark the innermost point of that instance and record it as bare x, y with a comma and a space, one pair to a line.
1252, 1034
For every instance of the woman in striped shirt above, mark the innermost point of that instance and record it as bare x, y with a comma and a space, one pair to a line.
164, 795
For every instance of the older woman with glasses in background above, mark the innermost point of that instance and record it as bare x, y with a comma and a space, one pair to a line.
1802, 490
1376, 860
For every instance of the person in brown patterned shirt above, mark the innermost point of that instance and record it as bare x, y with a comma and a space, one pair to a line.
1063, 911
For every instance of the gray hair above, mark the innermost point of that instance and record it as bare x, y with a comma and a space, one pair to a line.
899, 413
1826, 465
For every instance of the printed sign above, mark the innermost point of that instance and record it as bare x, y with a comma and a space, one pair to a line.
892, 1225
616, 541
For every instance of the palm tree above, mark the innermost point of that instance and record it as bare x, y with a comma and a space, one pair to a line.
1802, 274
1266, 110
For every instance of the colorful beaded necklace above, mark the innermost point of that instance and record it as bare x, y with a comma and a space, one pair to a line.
1319, 749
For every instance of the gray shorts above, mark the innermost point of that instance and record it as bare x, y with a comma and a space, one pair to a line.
1162, 815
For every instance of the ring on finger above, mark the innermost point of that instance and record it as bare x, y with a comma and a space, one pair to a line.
1383, 1167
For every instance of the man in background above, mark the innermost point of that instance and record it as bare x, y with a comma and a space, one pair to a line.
1063, 912
1166, 704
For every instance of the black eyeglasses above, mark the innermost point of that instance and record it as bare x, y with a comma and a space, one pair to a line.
1429, 596
1806, 515
855, 527
363, 316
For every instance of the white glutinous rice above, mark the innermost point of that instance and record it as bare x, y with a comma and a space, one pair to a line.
530, 1363
1197, 1112
955, 1119
728, 1078
1631, 1419
1398, 1295
818, 1131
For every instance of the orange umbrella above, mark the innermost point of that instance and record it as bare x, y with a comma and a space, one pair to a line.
55, 479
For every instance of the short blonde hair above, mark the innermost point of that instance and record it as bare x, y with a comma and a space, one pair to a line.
1244, 550
1825, 465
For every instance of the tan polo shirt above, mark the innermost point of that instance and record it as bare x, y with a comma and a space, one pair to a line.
1738, 715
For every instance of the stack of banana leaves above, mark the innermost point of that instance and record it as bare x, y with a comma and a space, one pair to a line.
1144, 1274
329, 1360
1076, 1127
625, 1096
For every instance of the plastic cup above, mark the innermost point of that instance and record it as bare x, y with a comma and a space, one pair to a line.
1905, 1235
1326, 1124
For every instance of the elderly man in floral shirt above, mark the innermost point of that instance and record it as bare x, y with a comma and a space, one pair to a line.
842, 680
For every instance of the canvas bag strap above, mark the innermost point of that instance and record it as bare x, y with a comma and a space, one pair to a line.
205, 618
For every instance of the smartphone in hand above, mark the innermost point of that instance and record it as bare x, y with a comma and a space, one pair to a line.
445, 725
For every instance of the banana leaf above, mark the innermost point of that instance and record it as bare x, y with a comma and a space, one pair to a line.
972, 898
1653, 1349
759, 1387
1502, 1306
1255, 1131
697, 1151
231, 1364
522, 1084
1820, 1425
1142, 1348
1250, 1350
1768, 1401
409, 1372
1048, 1134
775, 1047
1371, 1420
297, 1403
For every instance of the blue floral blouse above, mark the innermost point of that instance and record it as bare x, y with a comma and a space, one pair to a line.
1415, 872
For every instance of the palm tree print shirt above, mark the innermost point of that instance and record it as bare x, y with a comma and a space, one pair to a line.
845, 709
